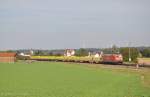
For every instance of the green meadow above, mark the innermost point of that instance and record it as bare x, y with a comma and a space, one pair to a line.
54, 79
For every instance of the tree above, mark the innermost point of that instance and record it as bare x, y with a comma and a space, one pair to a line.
81, 52
134, 53
146, 52
115, 49
39, 53
50, 54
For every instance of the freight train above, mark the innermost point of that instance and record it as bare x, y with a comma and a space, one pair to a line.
105, 58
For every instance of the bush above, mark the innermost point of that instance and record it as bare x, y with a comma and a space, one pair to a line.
81, 52
134, 53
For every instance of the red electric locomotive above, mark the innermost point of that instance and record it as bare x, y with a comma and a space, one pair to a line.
112, 58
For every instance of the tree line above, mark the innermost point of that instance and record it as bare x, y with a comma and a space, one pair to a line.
132, 52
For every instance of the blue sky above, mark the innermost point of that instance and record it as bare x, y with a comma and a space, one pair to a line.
56, 24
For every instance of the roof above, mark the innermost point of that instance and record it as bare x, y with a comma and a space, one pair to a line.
5, 54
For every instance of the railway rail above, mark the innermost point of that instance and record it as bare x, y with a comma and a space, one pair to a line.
94, 61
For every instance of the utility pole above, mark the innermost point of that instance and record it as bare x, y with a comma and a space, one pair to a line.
129, 52
111, 47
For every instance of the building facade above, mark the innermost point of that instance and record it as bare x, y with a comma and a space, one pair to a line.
7, 57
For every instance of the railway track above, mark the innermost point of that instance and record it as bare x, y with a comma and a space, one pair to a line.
92, 62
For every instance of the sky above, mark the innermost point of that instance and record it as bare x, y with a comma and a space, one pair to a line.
60, 24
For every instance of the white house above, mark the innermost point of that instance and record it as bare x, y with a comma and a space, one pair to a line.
98, 54
69, 52
25, 55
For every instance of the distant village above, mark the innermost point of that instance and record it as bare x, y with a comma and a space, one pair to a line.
67, 52
134, 52
10, 56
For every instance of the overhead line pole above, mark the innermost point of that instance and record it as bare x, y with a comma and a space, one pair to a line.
129, 53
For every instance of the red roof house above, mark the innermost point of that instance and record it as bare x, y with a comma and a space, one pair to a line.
7, 57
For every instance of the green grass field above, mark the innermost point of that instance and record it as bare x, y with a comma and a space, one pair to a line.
50, 79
